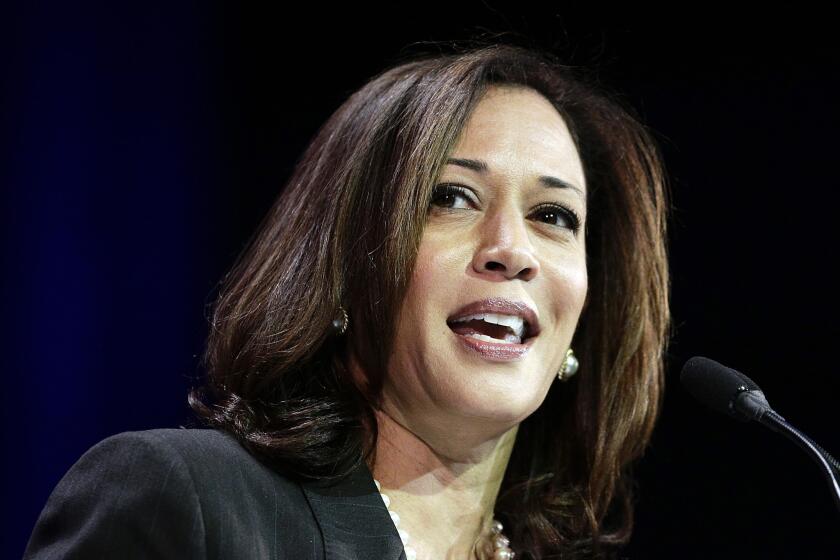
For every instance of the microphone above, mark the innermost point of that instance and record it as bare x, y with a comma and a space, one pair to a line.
733, 394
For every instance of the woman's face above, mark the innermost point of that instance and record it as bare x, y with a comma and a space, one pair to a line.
506, 223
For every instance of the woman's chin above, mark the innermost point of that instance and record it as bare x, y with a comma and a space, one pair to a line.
495, 407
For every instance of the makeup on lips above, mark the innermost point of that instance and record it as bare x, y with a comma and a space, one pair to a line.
496, 328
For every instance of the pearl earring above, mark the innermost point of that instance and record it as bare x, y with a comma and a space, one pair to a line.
340, 325
569, 367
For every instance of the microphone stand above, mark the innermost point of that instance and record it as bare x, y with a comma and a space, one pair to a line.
828, 464
731, 392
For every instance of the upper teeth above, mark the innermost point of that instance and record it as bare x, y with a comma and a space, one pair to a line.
514, 322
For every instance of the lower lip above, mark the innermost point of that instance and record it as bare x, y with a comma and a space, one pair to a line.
495, 351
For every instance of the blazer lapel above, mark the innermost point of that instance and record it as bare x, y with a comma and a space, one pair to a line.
353, 518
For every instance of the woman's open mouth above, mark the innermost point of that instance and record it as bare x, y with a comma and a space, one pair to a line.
490, 328
494, 337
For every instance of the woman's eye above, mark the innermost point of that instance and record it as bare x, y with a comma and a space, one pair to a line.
457, 197
559, 216
447, 196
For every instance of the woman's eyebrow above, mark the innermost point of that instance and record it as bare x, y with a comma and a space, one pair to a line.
481, 166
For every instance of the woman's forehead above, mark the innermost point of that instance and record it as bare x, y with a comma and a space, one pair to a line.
518, 131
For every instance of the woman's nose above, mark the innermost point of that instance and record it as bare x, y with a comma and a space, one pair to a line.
505, 250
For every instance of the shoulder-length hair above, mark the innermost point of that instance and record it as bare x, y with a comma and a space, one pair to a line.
345, 231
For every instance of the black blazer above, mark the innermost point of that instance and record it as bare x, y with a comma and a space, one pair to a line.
197, 493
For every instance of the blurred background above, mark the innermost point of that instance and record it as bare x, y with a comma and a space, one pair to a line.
143, 144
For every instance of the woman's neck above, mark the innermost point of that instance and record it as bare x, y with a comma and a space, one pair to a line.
444, 498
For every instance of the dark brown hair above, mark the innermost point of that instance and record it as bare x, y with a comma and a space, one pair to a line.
345, 231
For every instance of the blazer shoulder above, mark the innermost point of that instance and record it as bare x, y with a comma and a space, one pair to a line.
174, 493
177, 441
217, 462
187, 445
224, 476
250, 510
131, 495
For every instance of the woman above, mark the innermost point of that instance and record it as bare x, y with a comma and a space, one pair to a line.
393, 361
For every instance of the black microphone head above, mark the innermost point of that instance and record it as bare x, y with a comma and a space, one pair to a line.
716, 385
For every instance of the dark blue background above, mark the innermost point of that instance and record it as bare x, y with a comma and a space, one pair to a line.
143, 144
